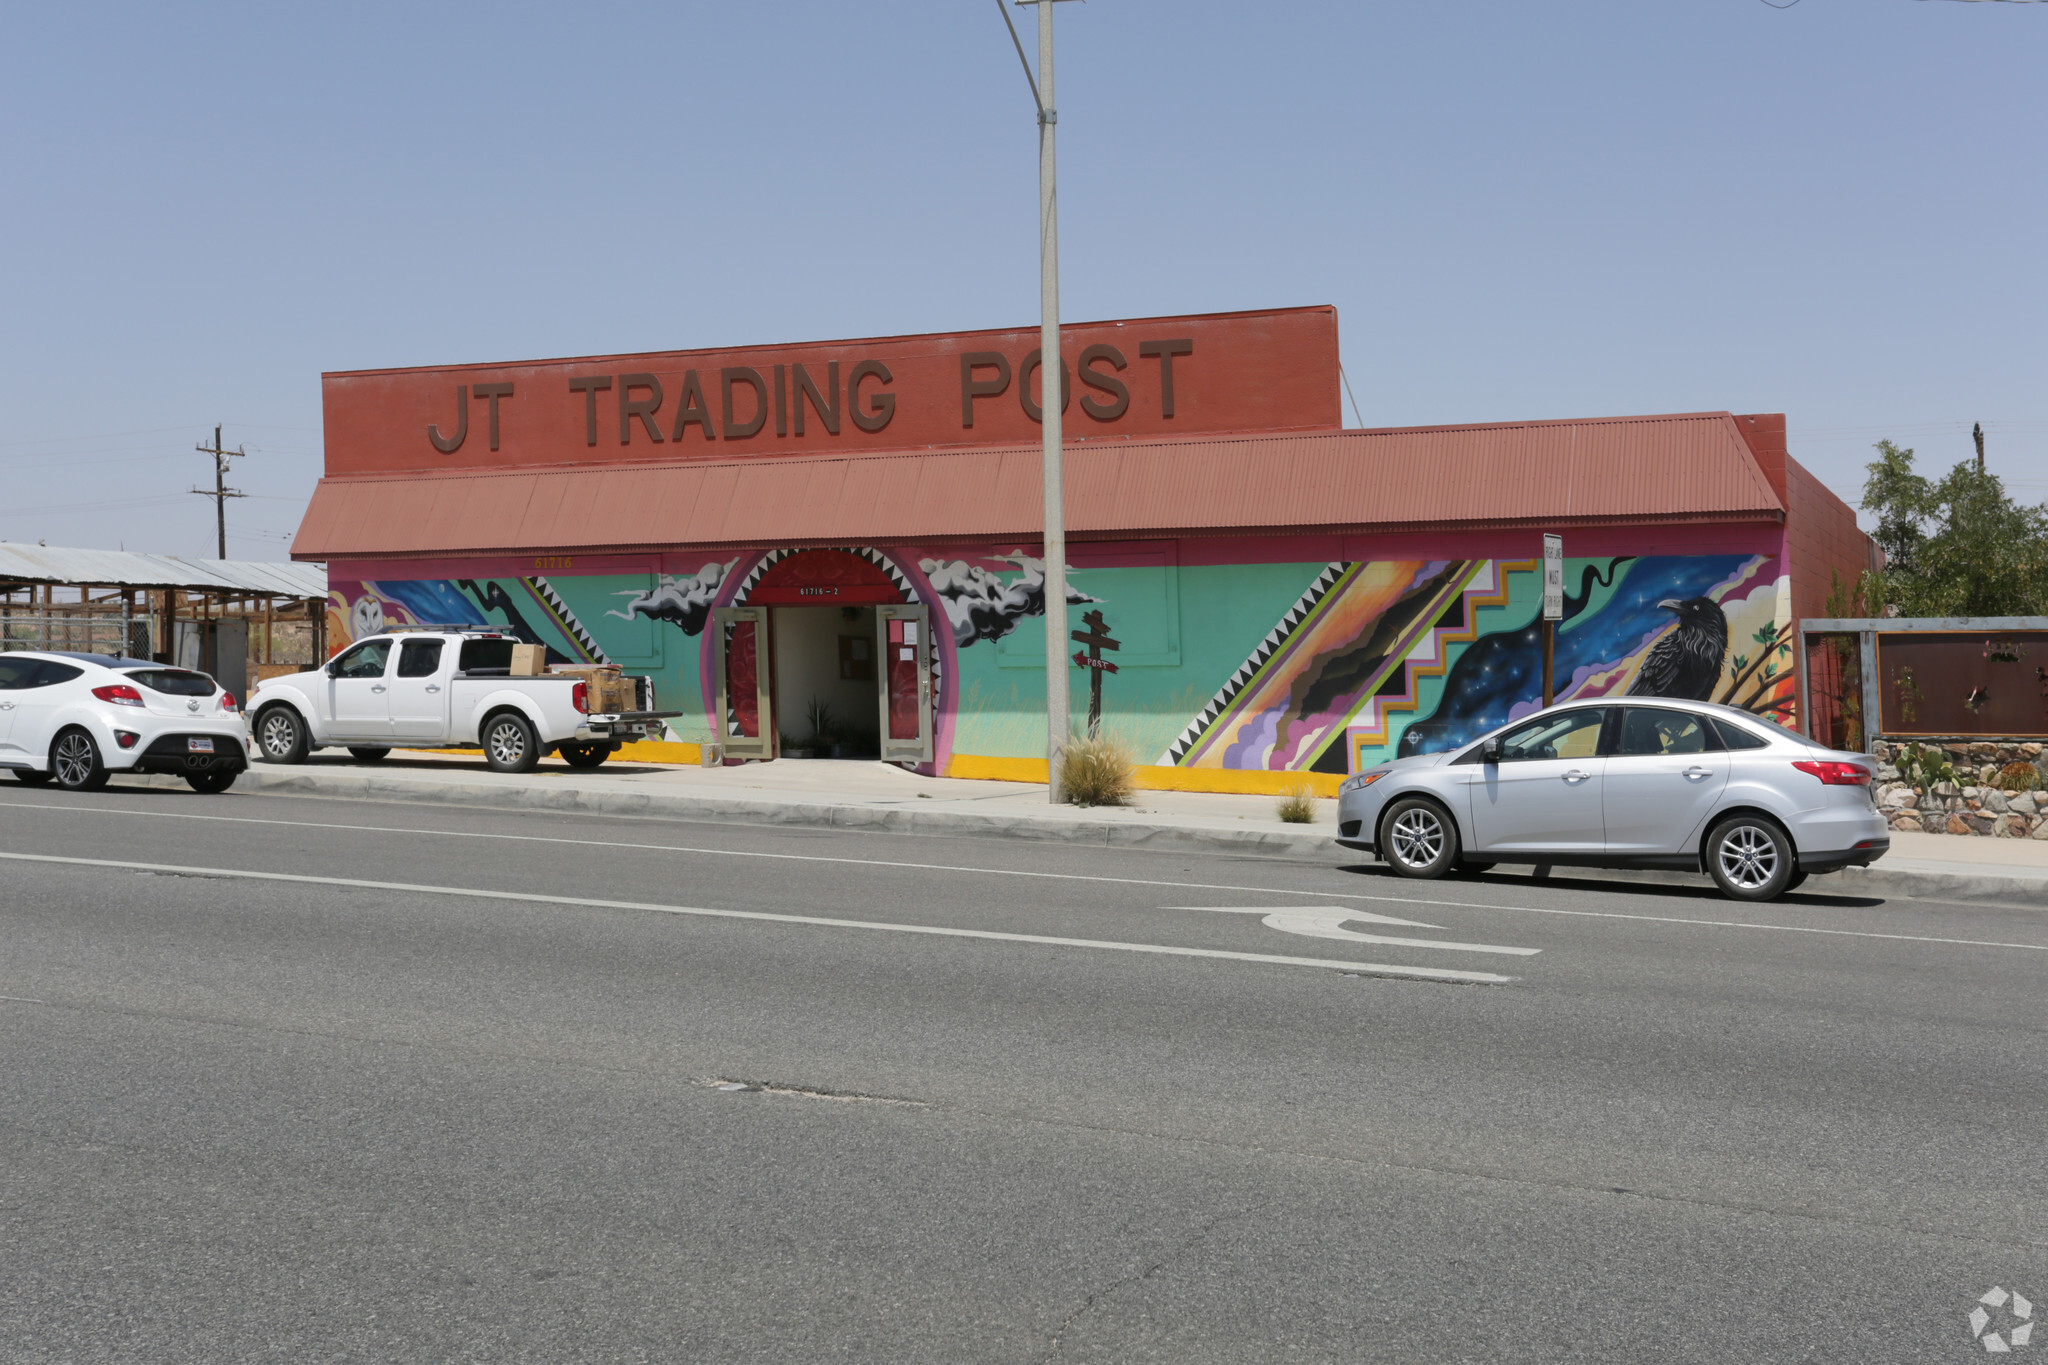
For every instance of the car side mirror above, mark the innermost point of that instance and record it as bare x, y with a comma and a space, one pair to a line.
1489, 752
333, 669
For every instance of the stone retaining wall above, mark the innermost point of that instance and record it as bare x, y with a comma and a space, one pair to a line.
1969, 805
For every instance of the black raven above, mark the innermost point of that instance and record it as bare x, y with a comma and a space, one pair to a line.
1687, 662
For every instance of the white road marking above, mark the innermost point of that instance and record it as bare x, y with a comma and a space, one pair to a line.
591, 902
1332, 926
1781, 928
1006, 872
1327, 921
1305, 910
418, 832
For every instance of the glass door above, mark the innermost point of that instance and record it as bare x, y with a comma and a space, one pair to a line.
746, 711
904, 640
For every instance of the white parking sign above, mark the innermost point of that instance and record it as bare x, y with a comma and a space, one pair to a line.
1553, 578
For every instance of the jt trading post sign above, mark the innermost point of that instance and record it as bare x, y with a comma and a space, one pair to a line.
1270, 371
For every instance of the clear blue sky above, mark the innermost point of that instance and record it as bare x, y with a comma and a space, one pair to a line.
1520, 209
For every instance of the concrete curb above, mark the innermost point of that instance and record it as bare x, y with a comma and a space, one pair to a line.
1306, 845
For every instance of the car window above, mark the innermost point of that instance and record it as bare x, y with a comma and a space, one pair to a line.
49, 673
366, 660
481, 654
1736, 737
1650, 730
16, 671
175, 682
1567, 734
419, 659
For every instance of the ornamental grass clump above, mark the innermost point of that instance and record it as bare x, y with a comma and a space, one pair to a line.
1297, 804
1097, 771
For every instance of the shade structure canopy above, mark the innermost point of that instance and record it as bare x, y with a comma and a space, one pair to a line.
64, 566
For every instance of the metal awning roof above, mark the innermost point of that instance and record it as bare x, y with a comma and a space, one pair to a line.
1687, 467
21, 563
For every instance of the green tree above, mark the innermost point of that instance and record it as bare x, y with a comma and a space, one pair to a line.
1957, 547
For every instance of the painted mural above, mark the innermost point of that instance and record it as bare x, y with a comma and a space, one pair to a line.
1322, 667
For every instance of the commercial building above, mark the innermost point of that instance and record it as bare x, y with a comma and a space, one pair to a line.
844, 536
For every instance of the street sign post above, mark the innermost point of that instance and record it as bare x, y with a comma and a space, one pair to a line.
1553, 610
1097, 639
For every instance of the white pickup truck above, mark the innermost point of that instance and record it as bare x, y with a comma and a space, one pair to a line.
440, 690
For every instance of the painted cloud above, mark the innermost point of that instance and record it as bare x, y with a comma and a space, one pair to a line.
982, 606
682, 602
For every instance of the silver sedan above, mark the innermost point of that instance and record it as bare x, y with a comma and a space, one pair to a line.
1625, 783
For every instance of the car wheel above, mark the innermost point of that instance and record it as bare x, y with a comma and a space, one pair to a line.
211, 780
281, 736
75, 759
369, 755
31, 776
1750, 858
509, 743
1419, 839
1792, 882
584, 755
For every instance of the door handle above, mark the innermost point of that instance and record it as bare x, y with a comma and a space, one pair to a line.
377, 687
433, 687
1696, 772
1576, 776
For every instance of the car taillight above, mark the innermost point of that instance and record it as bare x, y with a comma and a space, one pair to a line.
120, 694
227, 701
580, 695
1835, 774
126, 738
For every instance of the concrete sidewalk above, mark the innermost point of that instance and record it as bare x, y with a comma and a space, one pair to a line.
852, 794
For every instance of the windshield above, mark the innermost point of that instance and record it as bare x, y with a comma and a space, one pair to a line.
174, 682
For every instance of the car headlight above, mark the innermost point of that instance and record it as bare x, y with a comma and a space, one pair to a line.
1362, 781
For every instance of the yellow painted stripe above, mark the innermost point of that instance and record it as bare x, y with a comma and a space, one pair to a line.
988, 768
1242, 782
637, 751
659, 751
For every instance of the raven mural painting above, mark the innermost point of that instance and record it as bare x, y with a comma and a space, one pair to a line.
1686, 663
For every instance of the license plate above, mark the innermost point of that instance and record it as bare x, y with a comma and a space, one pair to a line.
199, 746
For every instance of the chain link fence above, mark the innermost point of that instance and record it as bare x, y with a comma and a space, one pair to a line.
125, 633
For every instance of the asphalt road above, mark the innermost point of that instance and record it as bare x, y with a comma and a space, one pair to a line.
343, 1108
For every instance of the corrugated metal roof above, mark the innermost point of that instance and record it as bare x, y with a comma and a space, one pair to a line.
125, 568
1681, 468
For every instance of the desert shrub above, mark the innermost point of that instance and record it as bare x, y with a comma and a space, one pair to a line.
1297, 804
1096, 772
2017, 777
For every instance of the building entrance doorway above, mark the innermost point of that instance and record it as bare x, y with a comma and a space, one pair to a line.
825, 660
827, 688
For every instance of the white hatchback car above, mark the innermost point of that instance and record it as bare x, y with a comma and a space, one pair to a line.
79, 718
1622, 782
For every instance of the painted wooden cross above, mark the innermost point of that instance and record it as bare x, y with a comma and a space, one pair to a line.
1096, 638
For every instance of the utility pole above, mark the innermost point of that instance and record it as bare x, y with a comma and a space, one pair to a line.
220, 492
1977, 434
1052, 395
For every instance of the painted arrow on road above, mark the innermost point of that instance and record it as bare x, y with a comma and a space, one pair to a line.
1327, 921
